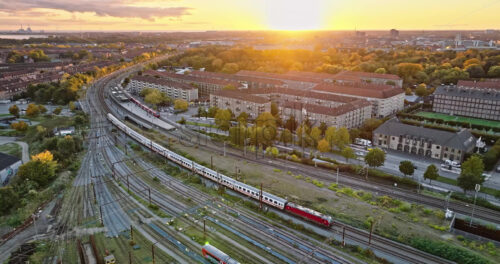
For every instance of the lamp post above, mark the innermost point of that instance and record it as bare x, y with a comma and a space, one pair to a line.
476, 188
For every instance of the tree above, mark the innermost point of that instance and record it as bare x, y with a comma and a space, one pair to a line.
471, 62
408, 70
286, 136
230, 68
72, 106
8, 199
223, 119
421, 90
330, 135
348, 153
380, 70
42, 109
41, 169
237, 135
471, 174
375, 157
316, 134
181, 105
323, 146
323, 127
494, 72
156, 97
19, 126
407, 168
291, 123
242, 118
342, 138
431, 173
266, 119
32, 110
475, 71
57, 110
274, 109
66, 146
14, 110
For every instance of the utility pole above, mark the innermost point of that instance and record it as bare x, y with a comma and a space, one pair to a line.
343, 236
211, 162
224, 148
130, 257
100, 213
153, 252
204, 230
131, 233
371, 231
476, 188
93, 188
128, 185
337, 175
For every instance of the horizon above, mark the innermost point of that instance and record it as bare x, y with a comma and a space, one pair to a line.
257, 15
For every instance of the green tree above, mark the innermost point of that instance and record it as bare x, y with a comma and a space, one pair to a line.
494, 72
242, 118
8, 199
375, 157
348, 153
72, 106
223, 119
431, 173
342, 138
212, 111
421, 90
265, 119
66, 146
471, 174
14, 110
475, 71
286, 136
237, 135
330, 135
380, 70
156, 97
316, 134
407, 168
41, 169
323, 146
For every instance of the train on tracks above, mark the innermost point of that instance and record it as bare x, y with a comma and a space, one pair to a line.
143, 106
215, 255
228, 182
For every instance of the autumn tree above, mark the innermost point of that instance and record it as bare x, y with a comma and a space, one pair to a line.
316, 134
342, 138
494, 72
323, 146
19, 126
431, 173
32, 110
57, 110
42, 109
229, 87
41, 169
181, 105
14, 110
330, 135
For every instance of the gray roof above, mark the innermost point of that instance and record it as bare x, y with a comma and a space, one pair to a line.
453, 90
462, 139
7, 160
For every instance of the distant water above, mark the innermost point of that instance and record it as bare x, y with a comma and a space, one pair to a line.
2, 36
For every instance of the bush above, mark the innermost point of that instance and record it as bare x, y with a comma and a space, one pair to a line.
447, 251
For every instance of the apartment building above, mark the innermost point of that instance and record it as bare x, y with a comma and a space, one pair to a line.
469, 98
385, 99
432, 143
206, 86
246, 81
368, 77
172, 89
239, 102
348, 115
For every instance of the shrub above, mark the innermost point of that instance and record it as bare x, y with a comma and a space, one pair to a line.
405, 207
447, 251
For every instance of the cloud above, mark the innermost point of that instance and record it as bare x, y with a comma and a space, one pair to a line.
113, 8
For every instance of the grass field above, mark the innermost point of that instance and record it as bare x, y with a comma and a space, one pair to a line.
11, 149
471, 120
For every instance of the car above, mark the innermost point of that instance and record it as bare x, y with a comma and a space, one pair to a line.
498, 169
486, 176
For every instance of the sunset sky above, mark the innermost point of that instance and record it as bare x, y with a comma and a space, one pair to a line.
167, 15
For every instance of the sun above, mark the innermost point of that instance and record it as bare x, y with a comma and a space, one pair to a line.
295, 14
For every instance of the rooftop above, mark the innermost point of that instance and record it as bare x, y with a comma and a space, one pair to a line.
357, 76
360, 89
241, 96
469, 92
160, 81
462, 140
304, 93
192, 78
325, 110
7, 160
490, 84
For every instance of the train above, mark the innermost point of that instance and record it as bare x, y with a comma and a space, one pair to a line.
143, 106
228, 182
215, 255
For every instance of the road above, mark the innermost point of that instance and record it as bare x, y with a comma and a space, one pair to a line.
25, 148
